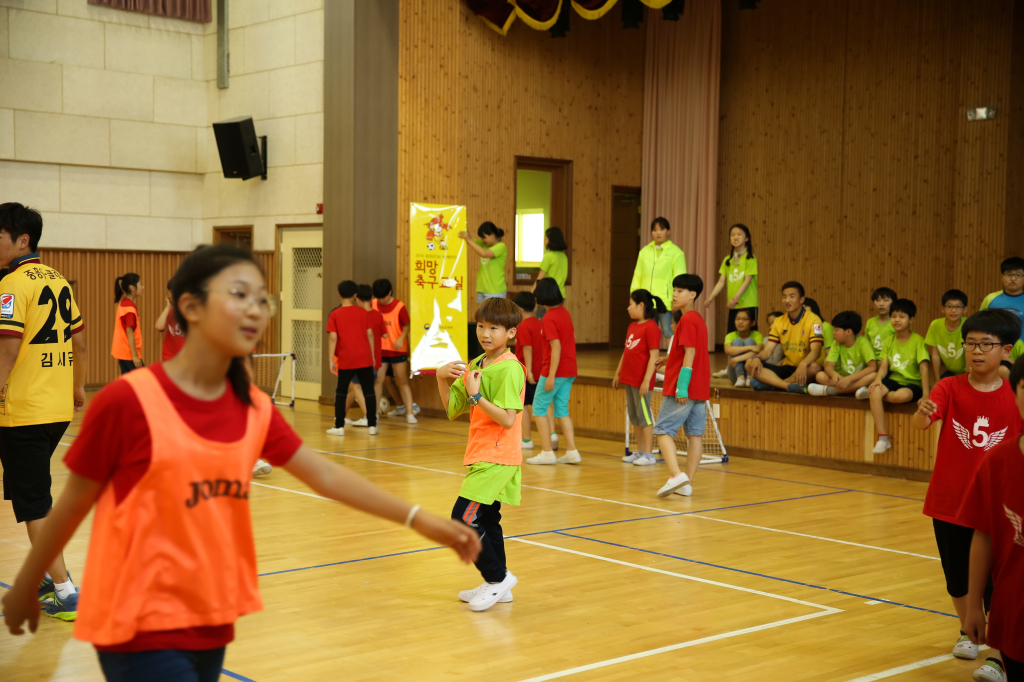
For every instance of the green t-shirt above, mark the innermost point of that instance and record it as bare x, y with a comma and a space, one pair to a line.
556, 265
491, 278
1018, 350
502, 384
853, 359
949, 344
754, 334
878, 334
828, 335
905, 359
735, 273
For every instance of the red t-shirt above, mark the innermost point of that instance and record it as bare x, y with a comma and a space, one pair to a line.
130, 319
114, 448
972, 424
994, 505
375, 321
641, 339
531, 333
691, 332
557, 325
174, 338
350, 323
403, 322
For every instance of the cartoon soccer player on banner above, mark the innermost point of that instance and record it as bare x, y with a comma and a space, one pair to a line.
437, 229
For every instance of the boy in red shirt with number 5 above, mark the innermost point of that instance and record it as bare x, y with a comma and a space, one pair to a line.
351, 352
978, 412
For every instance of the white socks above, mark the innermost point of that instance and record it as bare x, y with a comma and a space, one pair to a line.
64, 590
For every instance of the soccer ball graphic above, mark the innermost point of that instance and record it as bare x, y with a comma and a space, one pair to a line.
431, 246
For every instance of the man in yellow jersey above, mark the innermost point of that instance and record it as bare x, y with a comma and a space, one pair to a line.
42, 383
799, 334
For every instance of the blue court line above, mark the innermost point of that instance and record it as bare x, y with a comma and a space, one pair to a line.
819, 485
543, 532
759, 575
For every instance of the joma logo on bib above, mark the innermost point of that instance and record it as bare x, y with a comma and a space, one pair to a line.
220, 487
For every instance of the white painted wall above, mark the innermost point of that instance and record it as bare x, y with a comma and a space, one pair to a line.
105, 121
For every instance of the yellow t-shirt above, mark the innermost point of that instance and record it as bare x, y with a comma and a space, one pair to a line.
795, 337
36, 305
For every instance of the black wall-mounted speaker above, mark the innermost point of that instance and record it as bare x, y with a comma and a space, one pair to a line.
239, 148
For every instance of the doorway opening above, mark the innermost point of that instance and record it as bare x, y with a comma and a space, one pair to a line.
625, 248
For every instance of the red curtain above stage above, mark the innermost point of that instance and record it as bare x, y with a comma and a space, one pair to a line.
541, 14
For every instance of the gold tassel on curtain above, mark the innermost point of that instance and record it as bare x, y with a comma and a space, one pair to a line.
541, 14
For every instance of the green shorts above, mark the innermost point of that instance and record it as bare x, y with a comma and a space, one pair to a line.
487, 482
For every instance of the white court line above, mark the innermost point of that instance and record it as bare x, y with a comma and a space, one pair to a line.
893, 672
289, 490
815, 537
824, 611
662, 510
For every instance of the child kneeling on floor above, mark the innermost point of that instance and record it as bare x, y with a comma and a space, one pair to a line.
491, 388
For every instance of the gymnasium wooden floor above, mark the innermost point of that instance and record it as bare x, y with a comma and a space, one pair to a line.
769, 572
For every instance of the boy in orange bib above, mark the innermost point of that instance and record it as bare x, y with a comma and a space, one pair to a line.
491, 389
172, 561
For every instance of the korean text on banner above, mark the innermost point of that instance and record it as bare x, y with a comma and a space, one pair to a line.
437, 296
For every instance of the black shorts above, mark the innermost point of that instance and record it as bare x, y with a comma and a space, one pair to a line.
782, 371
955, 553
531, 389
390, 362
25, 453
893, 385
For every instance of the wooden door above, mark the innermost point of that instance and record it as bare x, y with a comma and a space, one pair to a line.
624, 251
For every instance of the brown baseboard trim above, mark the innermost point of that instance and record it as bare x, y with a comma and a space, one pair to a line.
593, 346
834, 464
326, 400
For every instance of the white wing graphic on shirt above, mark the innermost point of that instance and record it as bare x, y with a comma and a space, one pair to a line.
964, 435
1016, 522
995, 438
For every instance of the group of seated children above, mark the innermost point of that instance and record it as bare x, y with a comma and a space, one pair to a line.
368, 330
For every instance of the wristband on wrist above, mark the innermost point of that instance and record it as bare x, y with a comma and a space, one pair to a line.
412, 515
683, 383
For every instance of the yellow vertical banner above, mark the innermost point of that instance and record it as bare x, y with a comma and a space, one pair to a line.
437, 294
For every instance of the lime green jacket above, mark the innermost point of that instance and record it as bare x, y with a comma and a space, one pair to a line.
656, 268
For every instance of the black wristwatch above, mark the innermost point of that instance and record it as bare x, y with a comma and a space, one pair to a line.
474, 399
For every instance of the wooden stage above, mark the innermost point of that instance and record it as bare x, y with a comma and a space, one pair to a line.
770, 571
833, 433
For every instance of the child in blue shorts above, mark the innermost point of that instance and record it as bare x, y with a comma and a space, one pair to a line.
558, 371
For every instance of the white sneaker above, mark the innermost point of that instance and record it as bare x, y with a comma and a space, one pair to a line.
467, 595
415, 409
685, 491
881, 446
554, 441
570, 457
673, 483
491, 594
816, 389
400, 411
336, 431
374, 431
409, 419
645, 460
545, 457
746, 381
262, 468
632, 457
965, 648
721, 374
862, 393
739, 382
527, 445
990, 671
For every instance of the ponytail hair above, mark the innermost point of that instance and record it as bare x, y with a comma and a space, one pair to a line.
652, 304
489, 228
192, 277
123, 283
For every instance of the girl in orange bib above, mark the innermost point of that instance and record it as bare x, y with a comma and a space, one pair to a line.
172, 561
127, 344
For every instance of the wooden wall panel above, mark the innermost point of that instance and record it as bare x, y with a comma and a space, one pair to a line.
93, 273
845, 147
471, 101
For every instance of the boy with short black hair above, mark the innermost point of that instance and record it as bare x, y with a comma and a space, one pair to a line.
394, 347
799, 334
530, 351
993, 507
364, 299
491, 388
851, 362
351, 353
1012, 295
686, 389
945, 339
902, 373
879, 328
978, 411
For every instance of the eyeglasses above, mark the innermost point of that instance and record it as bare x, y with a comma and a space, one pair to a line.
1013, 275
954, 307
244, 300
983, 347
